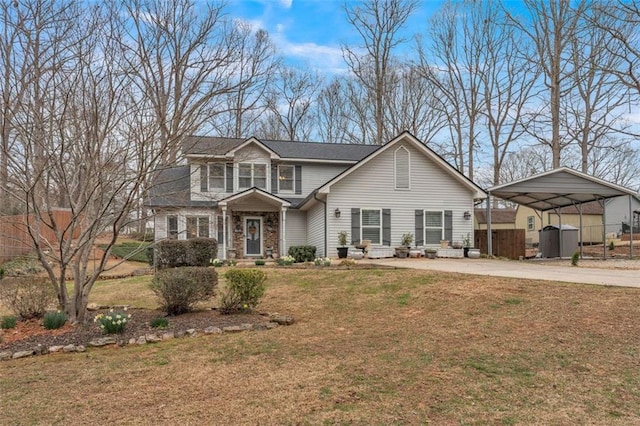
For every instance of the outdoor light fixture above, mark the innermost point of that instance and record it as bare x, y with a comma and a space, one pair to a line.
467, 215
337, 213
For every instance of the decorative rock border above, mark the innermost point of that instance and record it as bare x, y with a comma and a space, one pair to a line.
275, 320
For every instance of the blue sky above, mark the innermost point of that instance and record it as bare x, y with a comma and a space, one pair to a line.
311, 31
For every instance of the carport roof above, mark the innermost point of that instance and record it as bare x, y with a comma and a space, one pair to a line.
556, 188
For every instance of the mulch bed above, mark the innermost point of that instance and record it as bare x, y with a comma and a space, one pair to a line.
29, 334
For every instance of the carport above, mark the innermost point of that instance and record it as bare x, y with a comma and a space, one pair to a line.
557, 188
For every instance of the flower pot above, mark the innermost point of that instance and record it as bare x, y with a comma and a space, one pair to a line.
431, 254
402, 252
342, 252
444, 244
466, 251
474, 253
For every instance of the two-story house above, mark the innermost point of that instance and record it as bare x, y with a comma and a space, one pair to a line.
261, 196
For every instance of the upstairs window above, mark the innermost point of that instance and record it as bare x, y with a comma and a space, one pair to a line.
402, 172
212, 177
251, 174
285, 178
531, 223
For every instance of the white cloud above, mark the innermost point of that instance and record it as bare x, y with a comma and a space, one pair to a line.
286, 3
321, 57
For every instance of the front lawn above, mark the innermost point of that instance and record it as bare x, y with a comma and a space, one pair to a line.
368, 347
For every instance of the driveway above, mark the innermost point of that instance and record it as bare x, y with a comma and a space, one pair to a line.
535, 270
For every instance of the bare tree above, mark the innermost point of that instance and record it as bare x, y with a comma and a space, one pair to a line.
290, 102
332, 113
552, 27
181, 60
255, 71
454, 63
379, 24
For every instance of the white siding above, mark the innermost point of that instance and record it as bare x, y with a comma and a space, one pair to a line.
316, 175
160, 226
373, 186
196, 195
296, 229
617, 211
315, 229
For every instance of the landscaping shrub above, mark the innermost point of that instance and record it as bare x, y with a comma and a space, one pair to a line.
160, 322
286, 260
244, 289
22, 265
27, 297
8, 322
113, 322
54, 320
193, 252
171, 253
200, 251
303, 253
260, 262
575, 258
180, 288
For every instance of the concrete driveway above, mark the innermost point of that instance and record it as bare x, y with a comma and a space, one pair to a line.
552, 271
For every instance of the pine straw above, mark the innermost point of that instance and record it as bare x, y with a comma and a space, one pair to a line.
368, 347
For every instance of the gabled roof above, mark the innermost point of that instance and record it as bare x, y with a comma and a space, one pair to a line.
497, 215
255, 141
428, 152
170, 187
206, 146
556, 188
257, 192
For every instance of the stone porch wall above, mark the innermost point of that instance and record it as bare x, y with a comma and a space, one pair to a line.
271, 234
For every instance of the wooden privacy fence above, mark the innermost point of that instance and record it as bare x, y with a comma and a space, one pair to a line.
509, 243
14, 235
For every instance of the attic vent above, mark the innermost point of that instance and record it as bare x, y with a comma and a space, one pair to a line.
402, 168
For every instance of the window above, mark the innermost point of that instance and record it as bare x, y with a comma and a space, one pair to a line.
252, 175
216, 176
285, 178
212, 177
172, 227
531, 223
370, 225
433, 227
402, 168
197, 226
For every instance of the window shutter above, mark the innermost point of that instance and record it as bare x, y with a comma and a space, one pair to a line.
229, 177
386, 227
448, 225
298, 179
355, 226
204, 178
274, 179
419, 227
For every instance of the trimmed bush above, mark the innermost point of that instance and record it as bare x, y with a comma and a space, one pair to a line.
303, 253
8, 322
180, 288
200, 251
54, 320
27, 297
244, 289
193, 252
260, 262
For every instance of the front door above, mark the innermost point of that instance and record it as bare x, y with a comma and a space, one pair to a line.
253, 236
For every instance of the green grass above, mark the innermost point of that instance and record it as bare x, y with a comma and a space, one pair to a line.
135, 251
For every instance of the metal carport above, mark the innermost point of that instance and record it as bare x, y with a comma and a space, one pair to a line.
557, 188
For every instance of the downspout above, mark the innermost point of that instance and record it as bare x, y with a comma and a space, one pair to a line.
315, 197
630, 227
489, 245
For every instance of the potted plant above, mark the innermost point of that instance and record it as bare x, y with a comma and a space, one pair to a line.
466, 244
431, 253
343, 250
405, 245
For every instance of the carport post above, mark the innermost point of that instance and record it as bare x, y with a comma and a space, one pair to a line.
604, 231
581, 236
489, 248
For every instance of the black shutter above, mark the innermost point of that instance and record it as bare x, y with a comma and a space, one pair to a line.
298, 179
419, 227
274, 179
204, 178
355, 226
448, 225
229, 177
386, 227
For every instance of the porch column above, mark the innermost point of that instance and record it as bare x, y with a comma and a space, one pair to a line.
283, 231
224, 232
